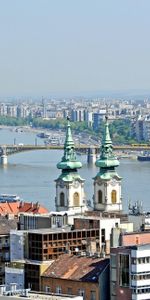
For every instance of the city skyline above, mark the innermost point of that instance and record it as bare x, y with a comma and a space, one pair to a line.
74, 48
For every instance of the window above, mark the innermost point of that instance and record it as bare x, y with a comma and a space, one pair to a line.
93, 295
69, 291
100, 196
58, 289
103, 235
76, 199
113, 197
81, 292
124, 270
62, 199
47, 289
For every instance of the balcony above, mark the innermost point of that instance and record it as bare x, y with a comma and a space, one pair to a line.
139, 253
140, 283
138, 268
141, 296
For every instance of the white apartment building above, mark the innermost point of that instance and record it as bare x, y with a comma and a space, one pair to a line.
130, 272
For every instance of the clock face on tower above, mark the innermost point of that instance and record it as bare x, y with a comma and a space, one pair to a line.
76, 184
113, 182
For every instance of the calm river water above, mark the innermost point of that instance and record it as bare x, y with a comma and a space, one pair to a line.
31, 175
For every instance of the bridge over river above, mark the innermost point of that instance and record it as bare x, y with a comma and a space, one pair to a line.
10, 149
91, 151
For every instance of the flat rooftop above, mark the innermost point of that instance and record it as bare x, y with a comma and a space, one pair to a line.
58, 230
42, 296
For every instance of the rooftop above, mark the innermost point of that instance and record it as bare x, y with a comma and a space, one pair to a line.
79, 268
17, 207
6, 225
134, 247
54, 230
41, 296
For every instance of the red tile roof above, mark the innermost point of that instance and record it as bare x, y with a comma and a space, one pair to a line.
9, 208
17, 207
78, 268
30, 207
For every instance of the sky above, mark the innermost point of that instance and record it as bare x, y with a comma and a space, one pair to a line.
73, 46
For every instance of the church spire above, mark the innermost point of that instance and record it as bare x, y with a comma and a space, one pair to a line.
107, 158
106, 137
107, 183
69, 161
69, 185
69, 140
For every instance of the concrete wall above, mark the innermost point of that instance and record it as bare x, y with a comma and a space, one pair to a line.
135, 238
14, 275
16, 245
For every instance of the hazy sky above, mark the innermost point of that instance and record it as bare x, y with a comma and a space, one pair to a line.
72, 46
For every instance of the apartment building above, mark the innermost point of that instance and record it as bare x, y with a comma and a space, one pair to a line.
98, 118
146, 129
130, 272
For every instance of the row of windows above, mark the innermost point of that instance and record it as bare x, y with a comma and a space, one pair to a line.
81, 292
140, 277
141, 291
71, 235
113, 197
134, 261
142, 260
76, 199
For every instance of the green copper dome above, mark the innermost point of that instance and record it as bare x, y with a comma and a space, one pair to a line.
107, 159
69, 161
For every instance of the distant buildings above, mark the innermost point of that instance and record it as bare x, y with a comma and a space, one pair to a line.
91, 111
142, 129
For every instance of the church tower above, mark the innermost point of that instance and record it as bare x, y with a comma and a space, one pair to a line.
107, 183
69, 185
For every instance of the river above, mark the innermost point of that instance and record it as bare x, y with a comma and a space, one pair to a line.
31, 174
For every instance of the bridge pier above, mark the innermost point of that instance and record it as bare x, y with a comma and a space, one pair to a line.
4, 158
91, 155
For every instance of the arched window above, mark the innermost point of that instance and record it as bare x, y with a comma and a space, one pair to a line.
76, 199
62, 199
100, 195
113, 196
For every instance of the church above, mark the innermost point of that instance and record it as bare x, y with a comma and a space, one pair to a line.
106, 213
70, 194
